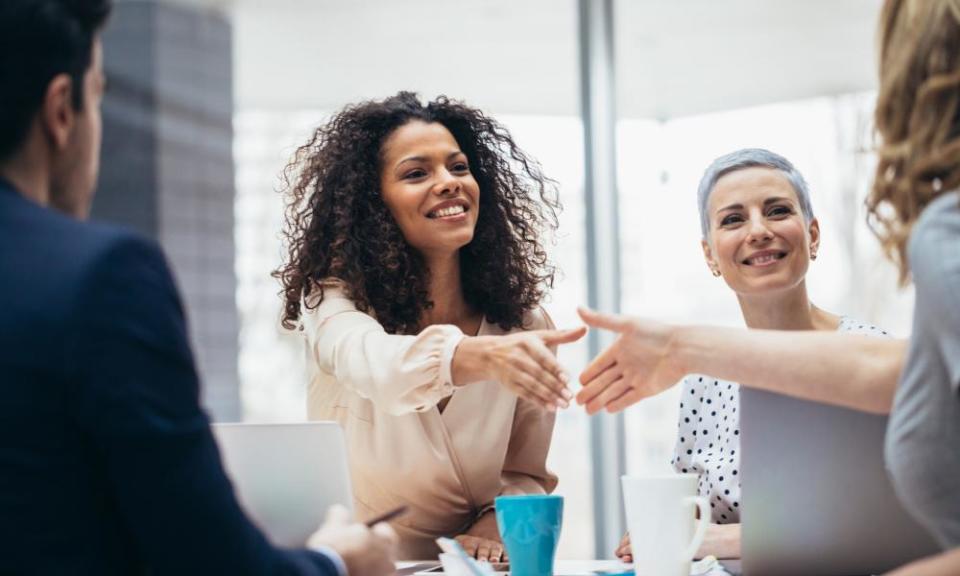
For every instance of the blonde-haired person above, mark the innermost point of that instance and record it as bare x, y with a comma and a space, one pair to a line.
915, 209
759, 235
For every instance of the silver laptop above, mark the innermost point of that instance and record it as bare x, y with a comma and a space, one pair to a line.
816, 497
286, 475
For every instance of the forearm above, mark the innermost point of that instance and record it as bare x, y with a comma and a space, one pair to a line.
852, 371
519, 483
722, 541
399, 374
945, 564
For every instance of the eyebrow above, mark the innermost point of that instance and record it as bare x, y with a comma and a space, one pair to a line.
424, 158
766, 202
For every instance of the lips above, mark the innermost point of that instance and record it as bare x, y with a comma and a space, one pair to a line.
764, 258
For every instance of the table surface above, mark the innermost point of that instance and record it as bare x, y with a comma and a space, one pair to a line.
565, 567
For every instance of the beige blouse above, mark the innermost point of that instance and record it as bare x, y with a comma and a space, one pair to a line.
384, 389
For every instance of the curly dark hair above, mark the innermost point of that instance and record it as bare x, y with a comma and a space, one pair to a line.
338, 226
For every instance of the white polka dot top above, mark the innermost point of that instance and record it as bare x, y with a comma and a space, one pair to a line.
708, 441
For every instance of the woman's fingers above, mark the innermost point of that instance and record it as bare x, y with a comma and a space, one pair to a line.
496, 552
612, 322
599, 384
483, 550
469, 544
623, 550
627, 399
615, 389
602, 362
526, 386
544, 369
556, 337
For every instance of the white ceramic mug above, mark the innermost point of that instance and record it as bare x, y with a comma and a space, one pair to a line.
661, 517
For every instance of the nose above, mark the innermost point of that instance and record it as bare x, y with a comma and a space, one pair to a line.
447, 184
758, 232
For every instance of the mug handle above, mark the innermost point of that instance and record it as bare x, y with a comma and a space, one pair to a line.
702, 523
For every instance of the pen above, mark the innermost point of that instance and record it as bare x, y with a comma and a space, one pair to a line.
386, 516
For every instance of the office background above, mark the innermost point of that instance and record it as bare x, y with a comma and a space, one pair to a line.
624, 102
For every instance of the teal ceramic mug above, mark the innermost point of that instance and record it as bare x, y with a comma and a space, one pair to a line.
530, 529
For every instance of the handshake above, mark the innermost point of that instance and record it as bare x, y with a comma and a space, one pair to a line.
636, 365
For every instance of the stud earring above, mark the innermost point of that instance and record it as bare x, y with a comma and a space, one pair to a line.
813, 255
716, 273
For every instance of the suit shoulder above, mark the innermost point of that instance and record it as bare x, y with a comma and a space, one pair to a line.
50, 257
80, 242
100, 240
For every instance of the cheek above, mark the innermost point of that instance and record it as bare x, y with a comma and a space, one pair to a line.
404, 216
725, 249
794, 230
393, 200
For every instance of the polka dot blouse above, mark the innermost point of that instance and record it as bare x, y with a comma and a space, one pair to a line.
708, 440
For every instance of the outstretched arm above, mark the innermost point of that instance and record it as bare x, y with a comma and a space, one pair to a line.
404, 373
648, 357
945, 564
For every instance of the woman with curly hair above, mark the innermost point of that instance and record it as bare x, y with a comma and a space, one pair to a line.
915, 212
415, 272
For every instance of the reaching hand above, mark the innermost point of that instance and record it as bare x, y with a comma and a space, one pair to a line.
365, 551
722, 541
637, 365
522, 362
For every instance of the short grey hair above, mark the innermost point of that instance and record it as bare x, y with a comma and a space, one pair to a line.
750, 158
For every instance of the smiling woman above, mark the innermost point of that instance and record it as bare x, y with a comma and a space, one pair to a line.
415, 272
760, 236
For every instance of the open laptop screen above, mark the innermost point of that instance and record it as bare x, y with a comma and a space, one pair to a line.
815, 494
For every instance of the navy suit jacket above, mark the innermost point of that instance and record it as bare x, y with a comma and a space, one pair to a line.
107, 462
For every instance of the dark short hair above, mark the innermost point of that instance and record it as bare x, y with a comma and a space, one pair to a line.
40, 39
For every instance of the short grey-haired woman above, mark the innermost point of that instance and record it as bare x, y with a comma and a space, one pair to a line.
760, 236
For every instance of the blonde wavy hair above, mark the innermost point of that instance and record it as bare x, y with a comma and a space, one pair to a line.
917, 118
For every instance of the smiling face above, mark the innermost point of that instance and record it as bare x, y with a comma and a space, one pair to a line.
759, 240
427, 185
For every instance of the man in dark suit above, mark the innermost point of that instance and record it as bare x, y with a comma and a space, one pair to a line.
107, 462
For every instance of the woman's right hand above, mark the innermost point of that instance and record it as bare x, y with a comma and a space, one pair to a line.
523, 362
721, 541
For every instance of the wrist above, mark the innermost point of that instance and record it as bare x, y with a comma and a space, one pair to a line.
470, 361
723, 541
335, 558
489, 508
679, 349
